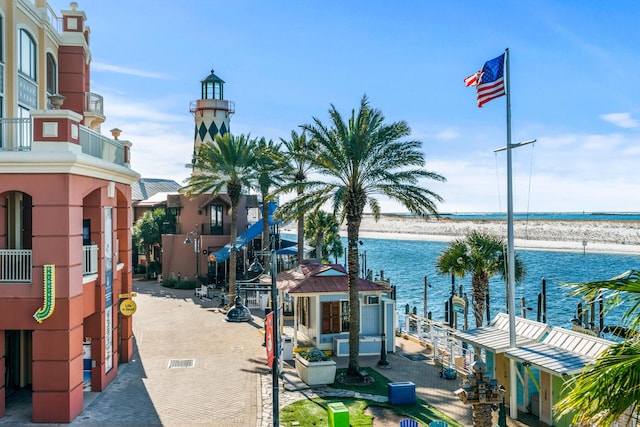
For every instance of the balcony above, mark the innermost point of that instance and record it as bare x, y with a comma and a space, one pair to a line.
16, 265
93, 110
17, 135
213, 104
98, 145
54, 20
89, 260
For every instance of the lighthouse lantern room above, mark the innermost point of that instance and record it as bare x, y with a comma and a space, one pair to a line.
211, 113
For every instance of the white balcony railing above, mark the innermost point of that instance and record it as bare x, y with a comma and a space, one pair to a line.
54, 20
15, 134
93, 103
213, 104
16, 265
89, 259
97, 145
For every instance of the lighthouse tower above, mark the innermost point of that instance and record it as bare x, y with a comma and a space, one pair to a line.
211, 112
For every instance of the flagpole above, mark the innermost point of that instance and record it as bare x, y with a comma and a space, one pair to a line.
511, 270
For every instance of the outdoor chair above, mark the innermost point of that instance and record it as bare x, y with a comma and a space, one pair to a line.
438, 423
409, 423
201, 292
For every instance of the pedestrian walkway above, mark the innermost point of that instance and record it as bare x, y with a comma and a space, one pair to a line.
191, 366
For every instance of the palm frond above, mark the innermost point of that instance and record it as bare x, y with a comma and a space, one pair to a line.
606, 388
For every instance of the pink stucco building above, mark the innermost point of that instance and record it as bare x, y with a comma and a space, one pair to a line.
65, 217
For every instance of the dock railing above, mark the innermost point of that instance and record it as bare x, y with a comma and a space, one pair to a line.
447, 350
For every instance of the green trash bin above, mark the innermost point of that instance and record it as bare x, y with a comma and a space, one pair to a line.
338, 415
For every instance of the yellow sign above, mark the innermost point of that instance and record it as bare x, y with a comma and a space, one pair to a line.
212, 257
128, 307
46, 310
131, 295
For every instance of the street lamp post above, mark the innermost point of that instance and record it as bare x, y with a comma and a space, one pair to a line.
196, 249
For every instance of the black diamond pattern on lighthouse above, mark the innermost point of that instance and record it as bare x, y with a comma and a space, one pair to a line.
213, 130
202, 131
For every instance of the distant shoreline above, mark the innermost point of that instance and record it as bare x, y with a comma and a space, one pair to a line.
599, 236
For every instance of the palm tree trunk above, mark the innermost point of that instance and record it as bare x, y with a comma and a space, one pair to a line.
265, 231
353, 228
147, 256
233, 254
479, 284
319, 240
300, 234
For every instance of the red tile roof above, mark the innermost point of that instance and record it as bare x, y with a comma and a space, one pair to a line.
321, 278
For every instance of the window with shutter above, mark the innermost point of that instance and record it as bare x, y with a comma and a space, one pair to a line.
333, 317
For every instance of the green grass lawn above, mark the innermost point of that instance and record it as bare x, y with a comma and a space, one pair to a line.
379, 385
312, 413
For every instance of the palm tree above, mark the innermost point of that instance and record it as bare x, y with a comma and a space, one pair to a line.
270, 173
298, 151
609, 388
323, 229
482, 256
147, 232
353, 163
227, 163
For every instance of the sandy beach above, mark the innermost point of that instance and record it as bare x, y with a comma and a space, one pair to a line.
590, 236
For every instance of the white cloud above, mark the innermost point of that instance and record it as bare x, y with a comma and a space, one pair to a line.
623, 120
98, 66
162, 140
447, 135
562, 172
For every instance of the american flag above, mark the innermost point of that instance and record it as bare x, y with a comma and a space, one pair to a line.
489, 81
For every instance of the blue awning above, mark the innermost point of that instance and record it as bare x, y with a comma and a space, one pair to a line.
291, 250
252, 232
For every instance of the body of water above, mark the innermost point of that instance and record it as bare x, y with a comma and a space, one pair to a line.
407, 262
547, 216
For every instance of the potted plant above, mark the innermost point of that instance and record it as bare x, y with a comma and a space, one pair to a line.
314, 367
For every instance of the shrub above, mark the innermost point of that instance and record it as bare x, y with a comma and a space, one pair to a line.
182, 284
314, 355
169, 283
185, 284
154, 268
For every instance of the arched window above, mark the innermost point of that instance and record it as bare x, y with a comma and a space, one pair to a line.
52, 75
27, 55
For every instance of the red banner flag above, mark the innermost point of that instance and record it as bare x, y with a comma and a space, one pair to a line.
268, 338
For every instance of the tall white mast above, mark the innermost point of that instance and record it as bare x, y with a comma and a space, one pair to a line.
511, 265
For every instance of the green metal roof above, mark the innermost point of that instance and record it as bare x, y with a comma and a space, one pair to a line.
212, 78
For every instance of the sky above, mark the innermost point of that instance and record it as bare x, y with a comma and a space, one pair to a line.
574, 79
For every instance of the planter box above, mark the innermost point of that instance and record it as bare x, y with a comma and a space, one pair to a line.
402, 393
316, 373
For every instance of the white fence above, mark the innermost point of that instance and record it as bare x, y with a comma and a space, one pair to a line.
447, 350
89, 259
16, 265
15, 134
254, 297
